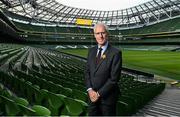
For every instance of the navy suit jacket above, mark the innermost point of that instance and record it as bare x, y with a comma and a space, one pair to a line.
104, 76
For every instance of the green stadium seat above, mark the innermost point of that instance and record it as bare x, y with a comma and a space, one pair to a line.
2, 106
11, 108
131, 108
21, 101
52, 87
65, 91
7, 93
1, 87
55, 103
26, 111
139, 99
79, 95
32, 92
41, 111
72, 107
121, 108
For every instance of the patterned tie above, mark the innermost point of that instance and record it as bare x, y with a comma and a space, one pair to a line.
99, 55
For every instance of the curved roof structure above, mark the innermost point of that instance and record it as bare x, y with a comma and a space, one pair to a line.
103, 5
52, 11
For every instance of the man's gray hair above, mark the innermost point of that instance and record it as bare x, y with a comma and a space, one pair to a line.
102, 24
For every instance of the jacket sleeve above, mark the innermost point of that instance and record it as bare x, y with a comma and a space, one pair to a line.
87, 73
115, 73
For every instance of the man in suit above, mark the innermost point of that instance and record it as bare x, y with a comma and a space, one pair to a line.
102, 74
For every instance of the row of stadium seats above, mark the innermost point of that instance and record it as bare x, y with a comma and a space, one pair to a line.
166, 26
57, 104
12, 105
136, 94
53, 29
55, 81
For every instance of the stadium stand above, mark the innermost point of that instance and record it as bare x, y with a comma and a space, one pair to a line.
51, 83
165, 26
162, 31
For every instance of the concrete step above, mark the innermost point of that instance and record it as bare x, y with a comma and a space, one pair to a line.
166, 104
164, 110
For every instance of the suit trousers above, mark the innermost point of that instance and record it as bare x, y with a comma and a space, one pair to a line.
100, 109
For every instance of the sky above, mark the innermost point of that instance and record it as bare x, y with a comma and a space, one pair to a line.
105, 5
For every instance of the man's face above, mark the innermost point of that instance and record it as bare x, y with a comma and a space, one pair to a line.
101, 35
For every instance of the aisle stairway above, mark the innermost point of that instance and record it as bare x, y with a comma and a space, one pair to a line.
166, 104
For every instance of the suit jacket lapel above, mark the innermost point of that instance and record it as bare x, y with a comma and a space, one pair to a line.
102, 59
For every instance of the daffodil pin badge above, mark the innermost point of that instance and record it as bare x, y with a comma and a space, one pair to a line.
103, 56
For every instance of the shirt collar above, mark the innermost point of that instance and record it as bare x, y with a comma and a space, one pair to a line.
104, 47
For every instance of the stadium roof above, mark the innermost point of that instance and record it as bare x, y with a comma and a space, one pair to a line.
51, 11
104, 5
